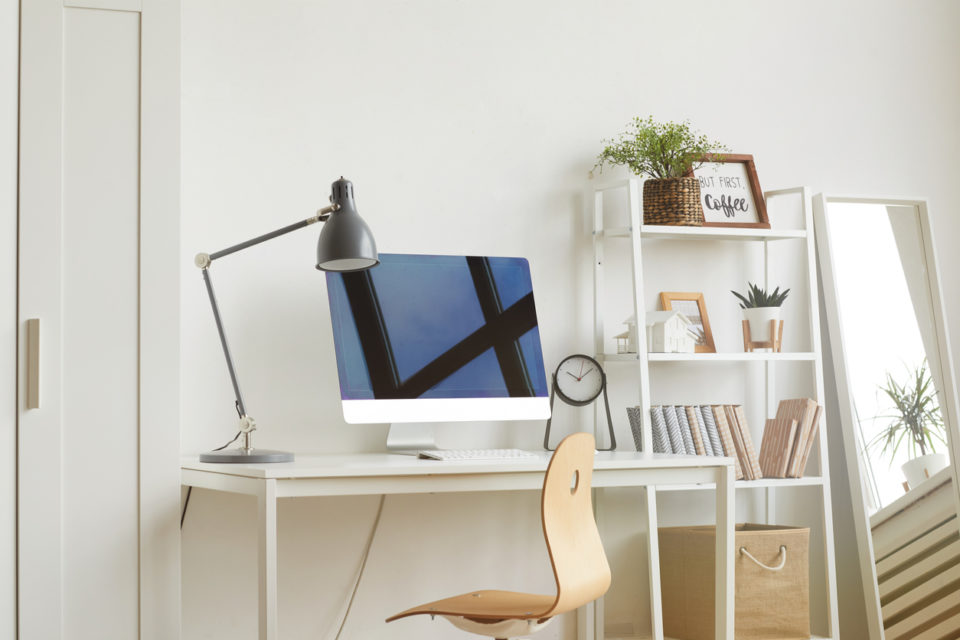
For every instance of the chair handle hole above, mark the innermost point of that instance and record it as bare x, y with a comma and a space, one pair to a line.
574, 482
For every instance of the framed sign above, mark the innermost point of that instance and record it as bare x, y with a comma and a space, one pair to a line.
730, 192
694, 307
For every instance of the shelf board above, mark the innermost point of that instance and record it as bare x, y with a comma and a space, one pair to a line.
618, 357
706, 233
764, 483
719, 233
731, 357
801, 356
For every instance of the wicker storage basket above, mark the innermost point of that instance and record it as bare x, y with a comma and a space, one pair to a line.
672, 201
772, 592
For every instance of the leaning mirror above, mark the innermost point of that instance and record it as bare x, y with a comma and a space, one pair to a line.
898, 409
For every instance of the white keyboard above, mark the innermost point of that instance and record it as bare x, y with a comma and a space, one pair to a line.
475, 454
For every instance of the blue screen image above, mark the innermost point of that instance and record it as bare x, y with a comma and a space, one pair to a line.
421, 326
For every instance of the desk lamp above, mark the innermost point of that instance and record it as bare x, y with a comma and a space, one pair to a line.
345, 244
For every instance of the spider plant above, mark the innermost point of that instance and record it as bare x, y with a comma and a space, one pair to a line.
757, 297
916, 421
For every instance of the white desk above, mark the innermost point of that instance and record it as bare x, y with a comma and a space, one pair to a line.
376, 474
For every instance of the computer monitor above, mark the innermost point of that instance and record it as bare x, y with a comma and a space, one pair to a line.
422, 339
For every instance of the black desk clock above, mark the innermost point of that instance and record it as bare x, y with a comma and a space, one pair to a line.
578, 381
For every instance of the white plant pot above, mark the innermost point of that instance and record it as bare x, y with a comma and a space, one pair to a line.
759, 319
919, 469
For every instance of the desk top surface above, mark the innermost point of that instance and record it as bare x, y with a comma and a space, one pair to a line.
386, 464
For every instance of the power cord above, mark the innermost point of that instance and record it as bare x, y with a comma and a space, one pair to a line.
229, 443
363, 565
186, 502
183, 514
236, 405
363, 560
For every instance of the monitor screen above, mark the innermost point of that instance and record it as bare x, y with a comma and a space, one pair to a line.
417, 335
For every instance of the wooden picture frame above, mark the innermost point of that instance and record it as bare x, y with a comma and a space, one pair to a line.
731, 192
699, 319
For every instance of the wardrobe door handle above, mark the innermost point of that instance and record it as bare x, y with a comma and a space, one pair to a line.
33, 363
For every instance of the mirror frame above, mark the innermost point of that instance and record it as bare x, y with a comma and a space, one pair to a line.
949, 405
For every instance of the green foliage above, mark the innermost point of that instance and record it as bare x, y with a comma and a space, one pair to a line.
758, 297
658, 149
916, 418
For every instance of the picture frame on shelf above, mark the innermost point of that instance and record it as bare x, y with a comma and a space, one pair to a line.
730, 192
694, 307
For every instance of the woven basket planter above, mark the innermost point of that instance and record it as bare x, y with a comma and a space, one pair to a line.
672, 201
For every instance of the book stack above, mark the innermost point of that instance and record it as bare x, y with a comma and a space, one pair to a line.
706, 430
789, 437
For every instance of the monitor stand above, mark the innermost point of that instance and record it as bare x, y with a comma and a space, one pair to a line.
411, 437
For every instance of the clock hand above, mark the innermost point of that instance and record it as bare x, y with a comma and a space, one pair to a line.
588, 371
571, 375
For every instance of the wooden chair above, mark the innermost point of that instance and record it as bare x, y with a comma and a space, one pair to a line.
576, 553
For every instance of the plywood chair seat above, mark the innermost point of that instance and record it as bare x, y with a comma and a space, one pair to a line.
486, 606
579, 563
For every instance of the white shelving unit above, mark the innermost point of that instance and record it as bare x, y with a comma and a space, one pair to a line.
645, 363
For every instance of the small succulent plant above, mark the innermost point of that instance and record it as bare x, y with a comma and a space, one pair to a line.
757, 297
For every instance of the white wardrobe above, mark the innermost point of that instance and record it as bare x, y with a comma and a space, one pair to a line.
97, 320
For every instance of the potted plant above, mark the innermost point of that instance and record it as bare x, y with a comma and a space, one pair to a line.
916, 421
760, 308
666, 153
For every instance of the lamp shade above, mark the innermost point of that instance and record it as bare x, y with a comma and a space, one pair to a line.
346, 242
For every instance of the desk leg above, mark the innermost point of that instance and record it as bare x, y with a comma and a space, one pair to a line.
585, 621
590, 616
267, 565
726, 518
653, 563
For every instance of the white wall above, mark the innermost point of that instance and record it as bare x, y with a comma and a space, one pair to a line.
470, 128
9, 63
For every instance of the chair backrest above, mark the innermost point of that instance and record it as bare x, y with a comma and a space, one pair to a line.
576, 552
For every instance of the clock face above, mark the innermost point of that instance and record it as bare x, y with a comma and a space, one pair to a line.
579, 379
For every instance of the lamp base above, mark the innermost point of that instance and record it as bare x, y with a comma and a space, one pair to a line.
246, 456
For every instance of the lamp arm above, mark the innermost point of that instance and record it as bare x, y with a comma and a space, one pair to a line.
203, 261
223, 342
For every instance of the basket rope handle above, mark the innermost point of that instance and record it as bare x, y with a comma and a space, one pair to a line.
783, 559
